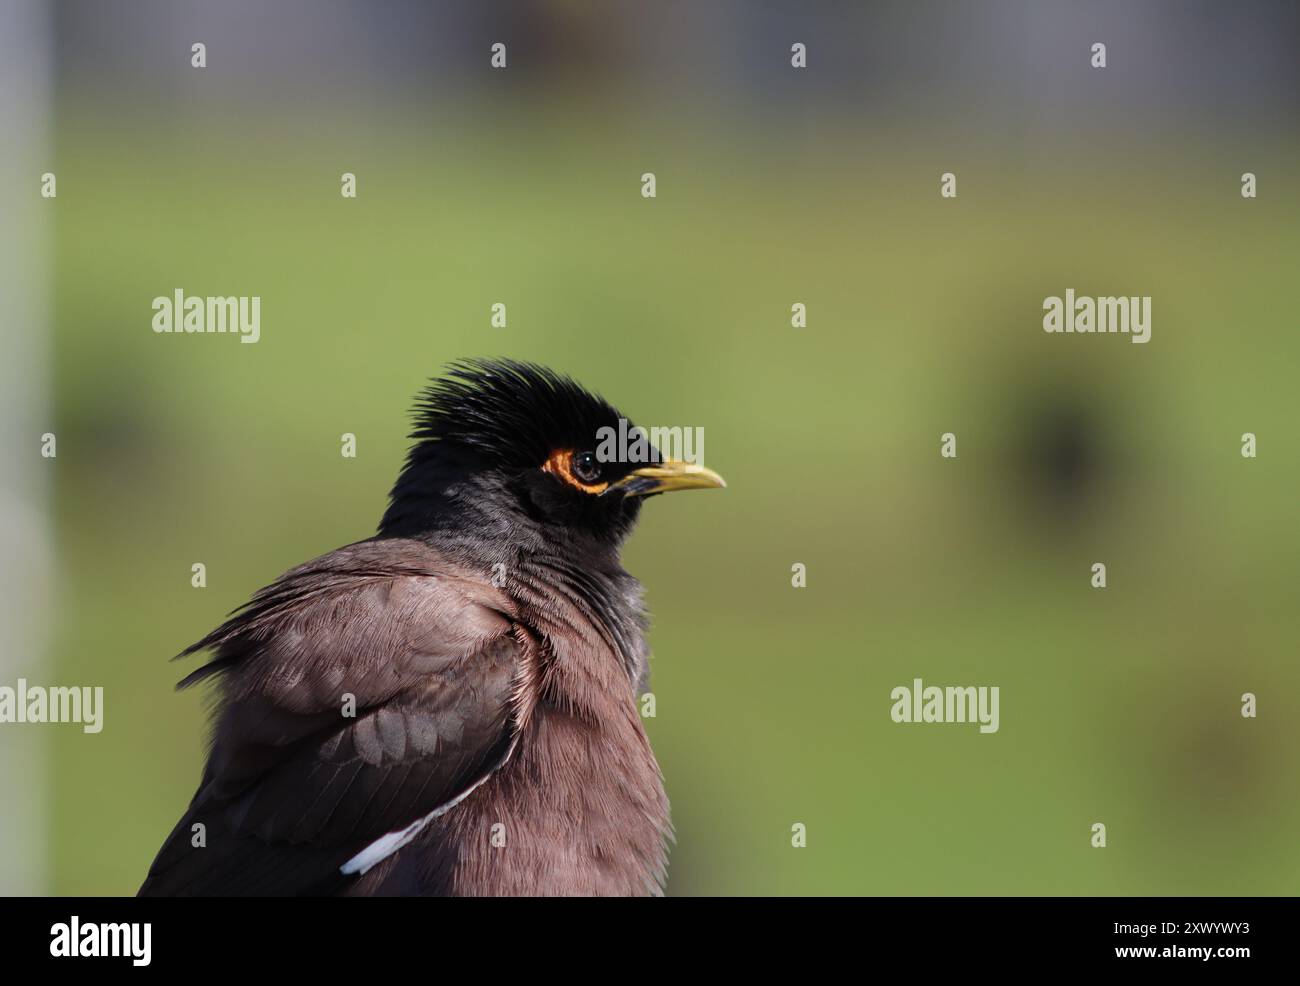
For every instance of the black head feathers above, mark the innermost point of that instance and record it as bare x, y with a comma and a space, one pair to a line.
493, 460
511, 413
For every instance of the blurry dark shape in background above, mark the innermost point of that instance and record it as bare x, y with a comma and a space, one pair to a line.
1016, 64
1060, 454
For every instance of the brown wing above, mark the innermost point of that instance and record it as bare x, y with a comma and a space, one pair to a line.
425, 656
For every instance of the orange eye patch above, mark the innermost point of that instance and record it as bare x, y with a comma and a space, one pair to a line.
561, 464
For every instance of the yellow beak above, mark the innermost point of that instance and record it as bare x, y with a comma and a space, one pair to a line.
671, 474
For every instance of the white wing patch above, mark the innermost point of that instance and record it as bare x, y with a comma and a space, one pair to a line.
386, 845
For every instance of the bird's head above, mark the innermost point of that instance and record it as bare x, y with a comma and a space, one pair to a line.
511, 450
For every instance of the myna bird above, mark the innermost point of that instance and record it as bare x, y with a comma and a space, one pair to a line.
449, 707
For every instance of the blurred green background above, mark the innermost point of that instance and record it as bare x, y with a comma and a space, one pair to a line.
1119, 706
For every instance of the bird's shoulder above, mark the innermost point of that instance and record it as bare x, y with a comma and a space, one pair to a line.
382, 610
359, 692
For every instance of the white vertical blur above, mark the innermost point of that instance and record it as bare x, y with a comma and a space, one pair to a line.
26, 87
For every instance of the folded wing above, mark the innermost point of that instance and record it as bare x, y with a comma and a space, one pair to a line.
360, 693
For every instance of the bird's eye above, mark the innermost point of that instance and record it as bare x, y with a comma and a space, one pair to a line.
581, 470
586, 467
